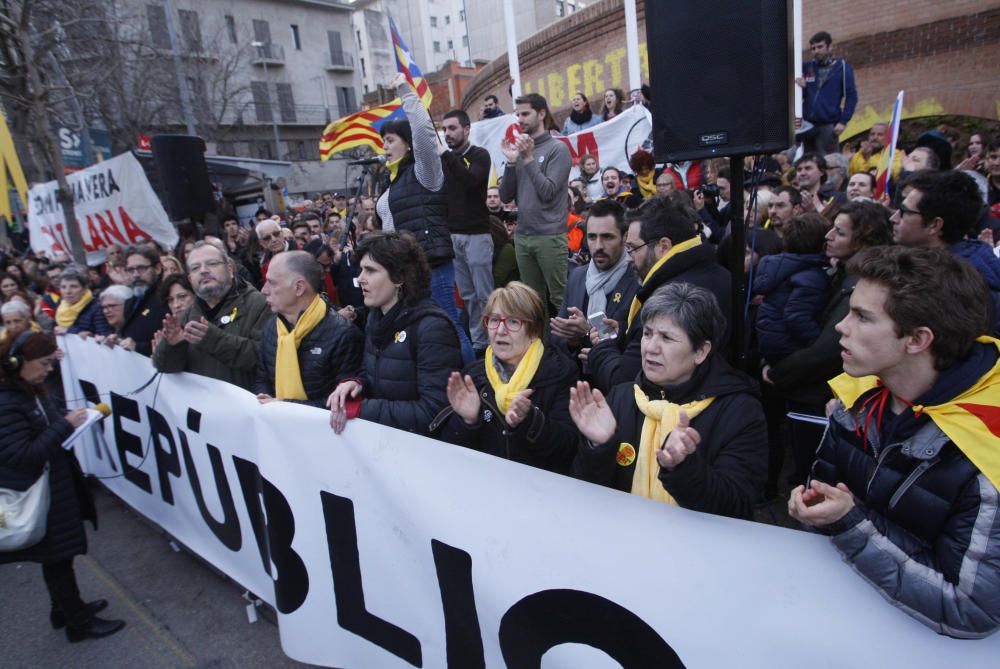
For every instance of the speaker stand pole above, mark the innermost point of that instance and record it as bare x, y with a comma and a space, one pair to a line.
736, 258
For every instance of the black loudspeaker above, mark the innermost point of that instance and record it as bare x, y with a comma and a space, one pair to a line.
721, 76
180, 164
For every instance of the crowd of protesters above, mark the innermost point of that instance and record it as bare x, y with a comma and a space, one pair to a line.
583, 325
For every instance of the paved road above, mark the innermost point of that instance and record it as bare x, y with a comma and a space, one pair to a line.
180, 612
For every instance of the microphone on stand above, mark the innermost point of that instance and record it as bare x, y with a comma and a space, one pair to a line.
377, 160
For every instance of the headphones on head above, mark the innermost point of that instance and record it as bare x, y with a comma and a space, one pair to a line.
14, 360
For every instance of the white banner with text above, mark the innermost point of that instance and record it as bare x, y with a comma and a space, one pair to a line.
379, 548
114, 203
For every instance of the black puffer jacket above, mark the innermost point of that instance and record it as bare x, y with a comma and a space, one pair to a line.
615, 361
546, 439
423, 213
327, 355
726, 474
91, 320
410, 352
924, 529
143, 318
28, 440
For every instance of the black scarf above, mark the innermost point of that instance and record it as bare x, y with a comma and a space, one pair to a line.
581, 117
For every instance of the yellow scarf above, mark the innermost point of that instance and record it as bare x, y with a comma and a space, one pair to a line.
971, 420
66, 313
674, 250
393, 168
647, 188
519, 380
661, 419
287, 378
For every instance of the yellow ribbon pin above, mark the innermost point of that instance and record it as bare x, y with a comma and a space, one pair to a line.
617, 298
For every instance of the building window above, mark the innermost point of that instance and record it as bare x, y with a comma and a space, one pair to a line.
447, 20
346, 101
231, 28
286, 103
434, 22
364, 72
261, 101
451, 44
156, 16
437, 47
296, 41
461, 15
190, 30
560, 8
262, 149
465, 40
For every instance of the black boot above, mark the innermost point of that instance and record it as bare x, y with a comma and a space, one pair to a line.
58, 618
92, 628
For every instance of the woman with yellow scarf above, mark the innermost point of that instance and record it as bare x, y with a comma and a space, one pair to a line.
514, 403
690, 431
78, 311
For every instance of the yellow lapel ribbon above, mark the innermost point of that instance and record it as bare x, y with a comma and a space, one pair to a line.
519, 380
66, 313
287, 377
674, 250
647, 188
661, 419
971, 420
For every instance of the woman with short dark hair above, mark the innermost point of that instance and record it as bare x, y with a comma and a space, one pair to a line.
514, 403
31, 441
410, 343
78, 312
690, 431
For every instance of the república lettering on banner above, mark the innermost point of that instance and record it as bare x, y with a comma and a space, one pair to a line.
379, 548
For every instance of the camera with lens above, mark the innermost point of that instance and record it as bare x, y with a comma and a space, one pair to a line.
710, 189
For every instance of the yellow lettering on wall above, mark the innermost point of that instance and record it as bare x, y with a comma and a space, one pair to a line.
593, 81
557, 90
573, 83
526, 87
644, 61
541, 88
614, 60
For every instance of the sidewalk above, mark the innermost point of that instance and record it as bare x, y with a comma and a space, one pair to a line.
179, 612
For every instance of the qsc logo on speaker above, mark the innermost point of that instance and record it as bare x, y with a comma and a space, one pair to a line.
713, 139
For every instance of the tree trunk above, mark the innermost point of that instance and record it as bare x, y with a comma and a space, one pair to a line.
47, 138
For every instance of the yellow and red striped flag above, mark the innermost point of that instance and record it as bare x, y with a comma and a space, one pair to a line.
360, 129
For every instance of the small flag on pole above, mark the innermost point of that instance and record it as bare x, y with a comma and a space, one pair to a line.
883, 176
360, 129
405, 64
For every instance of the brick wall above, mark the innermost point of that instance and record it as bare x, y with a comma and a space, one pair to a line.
946, 55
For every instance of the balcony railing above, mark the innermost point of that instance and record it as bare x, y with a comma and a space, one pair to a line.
339, 60
270, 54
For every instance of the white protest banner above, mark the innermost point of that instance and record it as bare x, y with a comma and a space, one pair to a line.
611, 142
391, 550
115, 204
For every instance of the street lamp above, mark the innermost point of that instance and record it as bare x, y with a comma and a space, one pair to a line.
267, 82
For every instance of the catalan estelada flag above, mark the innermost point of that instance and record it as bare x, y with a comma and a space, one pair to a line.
883, 176
360, 129
971, 420
405, 64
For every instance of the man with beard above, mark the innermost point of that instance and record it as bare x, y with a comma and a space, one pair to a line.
535, 177
866, 159
144, 313
219, 335
606, 284
466, 174
611, 180
830, 95
663, 247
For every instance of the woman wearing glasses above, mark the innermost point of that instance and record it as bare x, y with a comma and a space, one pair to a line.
410, 342
514, 404
113, 301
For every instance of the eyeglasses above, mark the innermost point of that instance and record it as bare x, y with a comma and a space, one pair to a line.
108, 306
137, 269
268, 237
632, 249
512, 324
208, 264
904, 210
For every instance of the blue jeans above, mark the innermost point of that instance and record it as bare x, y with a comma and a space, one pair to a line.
443, 292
